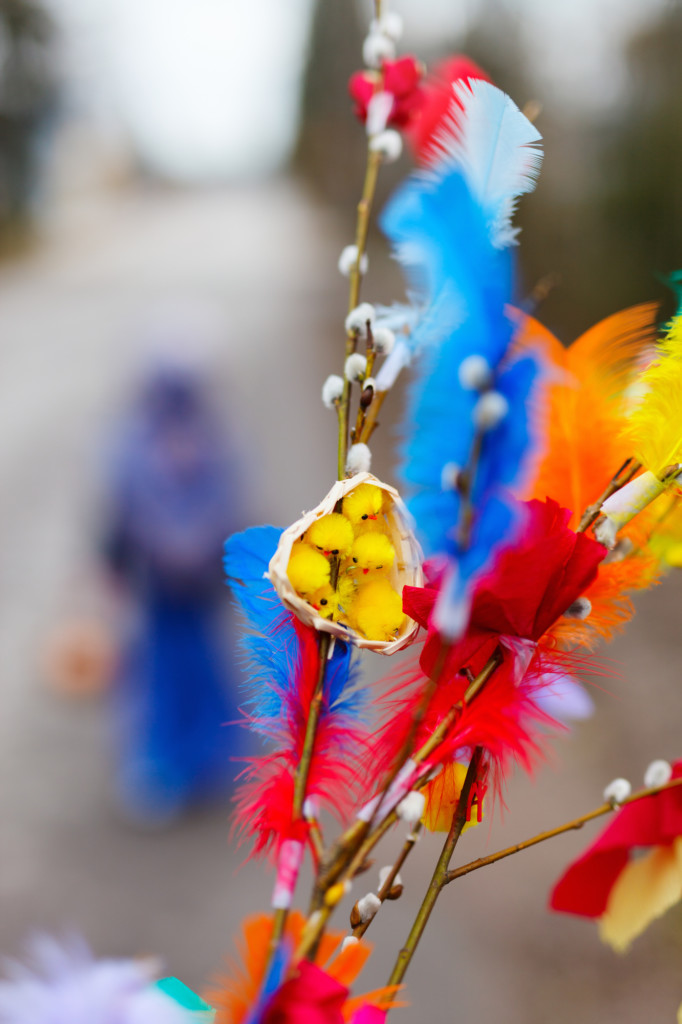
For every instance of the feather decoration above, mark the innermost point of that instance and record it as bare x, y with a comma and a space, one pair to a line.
585, 397
654, 429
509, 719
284, 665
496, 147
237, 992
439, 217
493, 146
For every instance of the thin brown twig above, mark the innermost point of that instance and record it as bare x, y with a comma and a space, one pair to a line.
385, 889
361, 229
569, 826
301, 778
439, 878
625, 474
352, 849
371, 422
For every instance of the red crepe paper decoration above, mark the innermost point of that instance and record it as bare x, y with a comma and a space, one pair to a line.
588, 887
531, 585
401, 78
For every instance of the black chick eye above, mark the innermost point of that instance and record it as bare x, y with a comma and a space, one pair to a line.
324, 601
364, 517
335, 551
355, 559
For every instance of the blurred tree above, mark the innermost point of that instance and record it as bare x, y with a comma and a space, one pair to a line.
329, 153
641, 192
27, 101
607, 216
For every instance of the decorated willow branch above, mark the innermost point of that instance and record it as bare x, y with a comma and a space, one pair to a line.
513, 555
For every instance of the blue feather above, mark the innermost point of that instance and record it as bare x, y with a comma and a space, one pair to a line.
437, 223
271, 648
442, 239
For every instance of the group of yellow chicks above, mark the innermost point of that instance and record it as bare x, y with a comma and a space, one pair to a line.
352, 550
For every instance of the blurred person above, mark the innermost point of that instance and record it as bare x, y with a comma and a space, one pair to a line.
173, 499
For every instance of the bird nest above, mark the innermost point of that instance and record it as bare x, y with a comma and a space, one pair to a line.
394, 521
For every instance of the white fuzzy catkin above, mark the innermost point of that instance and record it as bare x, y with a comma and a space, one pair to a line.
490, 410
378, 112
332, 389
617, 791
348, 259
384, 340
355, 366
580, 609
385, 872
310, 807
368, 906
359, 317
349, 940
390, 24
475, 373
369, 382
377, 48
411, 808
359, 459
657, 774
605, 530
389, 143
449, 476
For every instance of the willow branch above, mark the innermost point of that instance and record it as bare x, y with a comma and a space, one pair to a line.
627, 471
370, 424
440, 874
361, 231
389, 881
303, 769
569, 826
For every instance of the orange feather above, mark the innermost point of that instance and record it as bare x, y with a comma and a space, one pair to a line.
236, 992
581, 418
583, 407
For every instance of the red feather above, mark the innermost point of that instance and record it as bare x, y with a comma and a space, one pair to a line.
265, 798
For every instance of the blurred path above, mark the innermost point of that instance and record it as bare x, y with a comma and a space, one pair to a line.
67, 352
267, 258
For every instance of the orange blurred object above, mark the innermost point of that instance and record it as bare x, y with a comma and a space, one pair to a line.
79, 659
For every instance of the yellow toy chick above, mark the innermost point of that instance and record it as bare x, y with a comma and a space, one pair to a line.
363, 504
332, 535
325, 601
377, 610
371, 551
307, 570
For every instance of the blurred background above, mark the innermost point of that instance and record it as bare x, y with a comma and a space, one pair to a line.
176, 183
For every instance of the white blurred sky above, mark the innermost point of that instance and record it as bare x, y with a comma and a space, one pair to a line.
209, 88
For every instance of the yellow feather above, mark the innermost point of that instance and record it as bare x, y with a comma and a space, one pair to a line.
655, 425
